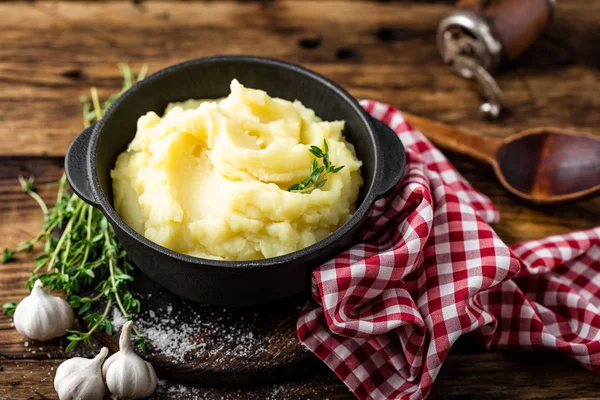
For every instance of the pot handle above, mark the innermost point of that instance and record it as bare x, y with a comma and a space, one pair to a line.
394, 156
76, 167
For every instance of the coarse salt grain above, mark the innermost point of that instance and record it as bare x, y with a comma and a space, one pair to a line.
118, 320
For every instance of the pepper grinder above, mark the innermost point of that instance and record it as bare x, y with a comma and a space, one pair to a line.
480, 35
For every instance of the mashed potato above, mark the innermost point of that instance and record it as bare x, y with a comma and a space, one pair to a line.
210, 177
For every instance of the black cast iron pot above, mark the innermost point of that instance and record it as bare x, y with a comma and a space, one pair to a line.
93, 153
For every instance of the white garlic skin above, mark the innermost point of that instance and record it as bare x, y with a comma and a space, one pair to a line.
41, 316
127, 375
81, 378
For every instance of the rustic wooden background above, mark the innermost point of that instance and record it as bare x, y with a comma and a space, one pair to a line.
52, 51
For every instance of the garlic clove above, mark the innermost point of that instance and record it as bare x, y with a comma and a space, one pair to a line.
42, 316
81, 378
127, 375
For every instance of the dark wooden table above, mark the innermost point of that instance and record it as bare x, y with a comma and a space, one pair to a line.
51, 52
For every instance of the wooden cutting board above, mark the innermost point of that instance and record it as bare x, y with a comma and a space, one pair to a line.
192, 342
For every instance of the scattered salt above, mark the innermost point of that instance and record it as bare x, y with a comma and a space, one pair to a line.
177, 338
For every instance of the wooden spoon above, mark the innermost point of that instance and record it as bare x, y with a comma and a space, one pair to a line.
542, 165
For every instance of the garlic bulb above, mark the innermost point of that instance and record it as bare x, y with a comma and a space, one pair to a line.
81, 378
41, 316
127, 375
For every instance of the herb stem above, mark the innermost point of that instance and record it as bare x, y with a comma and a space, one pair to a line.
126, 72
38, 199
100, 320
96, 102
62, 239
88, 236
111, 269
30, 243
96, 297
61, 185
114, 286
143, 72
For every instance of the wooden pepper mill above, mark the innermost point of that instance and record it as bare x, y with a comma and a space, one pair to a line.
479, 35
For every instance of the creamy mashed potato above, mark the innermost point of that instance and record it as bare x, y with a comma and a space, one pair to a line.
210, 177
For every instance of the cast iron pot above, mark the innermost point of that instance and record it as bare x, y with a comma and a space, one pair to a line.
92, 155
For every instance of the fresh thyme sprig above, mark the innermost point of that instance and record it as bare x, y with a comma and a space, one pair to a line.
81, 253
316, 179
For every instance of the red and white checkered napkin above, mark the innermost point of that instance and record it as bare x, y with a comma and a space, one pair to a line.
430, 269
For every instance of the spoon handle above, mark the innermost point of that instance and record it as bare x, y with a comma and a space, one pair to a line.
455, 139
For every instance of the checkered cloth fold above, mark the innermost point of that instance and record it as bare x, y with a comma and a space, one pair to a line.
429, 269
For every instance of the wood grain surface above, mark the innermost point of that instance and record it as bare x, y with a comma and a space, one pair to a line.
51, 52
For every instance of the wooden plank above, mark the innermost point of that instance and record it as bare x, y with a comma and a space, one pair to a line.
535, 375
51, 52
27, 379
524, 375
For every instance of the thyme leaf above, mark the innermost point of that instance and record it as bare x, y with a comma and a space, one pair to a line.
9, 308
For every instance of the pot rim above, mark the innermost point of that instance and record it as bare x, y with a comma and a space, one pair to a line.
349, 226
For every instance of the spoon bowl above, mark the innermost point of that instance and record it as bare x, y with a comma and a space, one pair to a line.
542, 165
